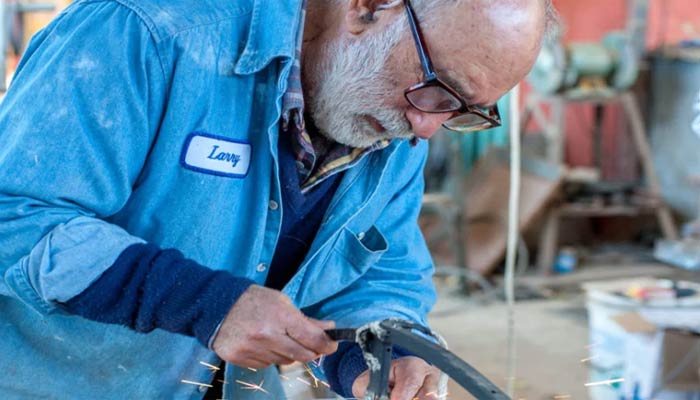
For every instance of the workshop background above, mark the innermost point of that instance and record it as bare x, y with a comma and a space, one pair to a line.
608, 247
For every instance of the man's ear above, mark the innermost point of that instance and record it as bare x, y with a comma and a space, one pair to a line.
361, 14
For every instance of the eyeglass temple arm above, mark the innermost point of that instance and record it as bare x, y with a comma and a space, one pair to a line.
423, 53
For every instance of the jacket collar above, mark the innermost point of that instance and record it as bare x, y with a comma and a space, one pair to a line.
273, 31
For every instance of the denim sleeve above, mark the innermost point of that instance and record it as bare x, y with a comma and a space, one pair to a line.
75, 126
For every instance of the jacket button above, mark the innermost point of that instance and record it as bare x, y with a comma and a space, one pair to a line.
261, 267
273, 205
360, 235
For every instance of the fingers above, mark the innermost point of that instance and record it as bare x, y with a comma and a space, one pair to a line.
256, 363
430, 388
325, 325
290, 349
264, 327
359, 387
409, 376
310, 335
276, 347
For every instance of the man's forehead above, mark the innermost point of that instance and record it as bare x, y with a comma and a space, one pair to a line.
467, 87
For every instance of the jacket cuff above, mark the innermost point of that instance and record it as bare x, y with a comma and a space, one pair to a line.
64, 263
344, 366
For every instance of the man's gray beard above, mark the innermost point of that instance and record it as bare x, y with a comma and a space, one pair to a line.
350, 83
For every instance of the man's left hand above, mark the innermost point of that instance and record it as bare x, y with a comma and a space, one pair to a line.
410, 378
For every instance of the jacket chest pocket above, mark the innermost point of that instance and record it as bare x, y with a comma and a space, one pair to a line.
361, 249
352, 254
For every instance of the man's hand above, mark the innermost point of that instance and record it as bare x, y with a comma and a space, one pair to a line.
410, 378
263, 328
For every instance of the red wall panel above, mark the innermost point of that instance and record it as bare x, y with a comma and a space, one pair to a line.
670, 21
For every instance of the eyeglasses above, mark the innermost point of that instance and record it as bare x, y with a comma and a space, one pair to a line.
434, 96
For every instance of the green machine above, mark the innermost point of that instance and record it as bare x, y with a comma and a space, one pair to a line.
589, 69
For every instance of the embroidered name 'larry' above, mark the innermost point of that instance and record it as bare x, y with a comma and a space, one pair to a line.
216, 155
233, 158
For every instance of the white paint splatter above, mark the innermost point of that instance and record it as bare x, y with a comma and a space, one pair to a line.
206, 57
60, 339
105, 121
85, 64
163, 17
84, 68
121, 367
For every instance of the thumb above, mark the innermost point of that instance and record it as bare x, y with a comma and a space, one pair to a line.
325, 325
359, 387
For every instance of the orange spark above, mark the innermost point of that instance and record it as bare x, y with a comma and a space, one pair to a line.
252, 386
196, 383
210, 366
311, 374
303, 381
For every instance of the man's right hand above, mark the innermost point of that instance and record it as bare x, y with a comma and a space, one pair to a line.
263, 328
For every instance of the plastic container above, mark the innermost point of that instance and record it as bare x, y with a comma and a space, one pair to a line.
566, 261
608, 340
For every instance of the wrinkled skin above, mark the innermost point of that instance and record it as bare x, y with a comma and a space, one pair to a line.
264, 328
485, 46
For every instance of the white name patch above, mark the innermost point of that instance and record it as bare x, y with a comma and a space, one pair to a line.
216, 155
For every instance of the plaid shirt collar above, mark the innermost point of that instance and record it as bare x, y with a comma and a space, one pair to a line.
319, 158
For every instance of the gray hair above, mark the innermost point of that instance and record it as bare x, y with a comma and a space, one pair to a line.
553, 21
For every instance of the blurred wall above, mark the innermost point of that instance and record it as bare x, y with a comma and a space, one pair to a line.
670, 21
590, 19
35, 22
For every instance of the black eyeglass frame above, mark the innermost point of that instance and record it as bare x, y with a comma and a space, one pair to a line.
493, 117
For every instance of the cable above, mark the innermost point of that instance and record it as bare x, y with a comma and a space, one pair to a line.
523, 257
513, 228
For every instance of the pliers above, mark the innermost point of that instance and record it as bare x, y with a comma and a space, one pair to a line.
377, 340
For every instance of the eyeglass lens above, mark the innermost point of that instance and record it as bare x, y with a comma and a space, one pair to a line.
433, 99
468, 123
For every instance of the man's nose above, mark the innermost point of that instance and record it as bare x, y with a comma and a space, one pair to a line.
425, 125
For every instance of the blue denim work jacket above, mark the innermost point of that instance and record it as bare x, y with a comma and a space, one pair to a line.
132, 121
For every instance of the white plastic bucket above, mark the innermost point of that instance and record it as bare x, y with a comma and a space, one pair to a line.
608, 339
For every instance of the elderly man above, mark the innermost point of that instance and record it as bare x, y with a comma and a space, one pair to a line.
171, 198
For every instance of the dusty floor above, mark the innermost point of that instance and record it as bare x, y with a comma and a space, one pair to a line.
551, 342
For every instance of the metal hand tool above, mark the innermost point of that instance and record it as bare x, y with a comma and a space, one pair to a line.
377, 340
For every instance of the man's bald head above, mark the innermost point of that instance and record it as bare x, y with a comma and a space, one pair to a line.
427, 6
359, 58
